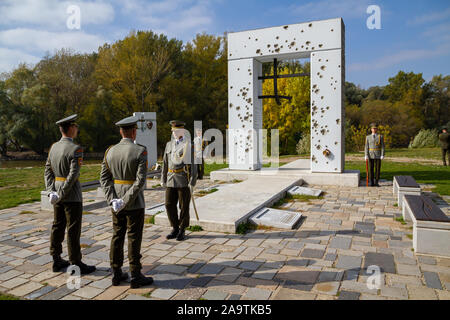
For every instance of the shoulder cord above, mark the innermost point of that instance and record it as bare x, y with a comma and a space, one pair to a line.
106, 161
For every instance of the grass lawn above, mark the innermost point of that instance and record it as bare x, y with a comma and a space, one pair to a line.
18, 186
23, 185
4, 296
424, 153
432, 174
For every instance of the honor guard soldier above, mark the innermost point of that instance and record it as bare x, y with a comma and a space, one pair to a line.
178, 173
62, 171
374, 152
199, 147
444, 141
123, 175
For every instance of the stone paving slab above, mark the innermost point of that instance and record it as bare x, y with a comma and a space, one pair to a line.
326, 257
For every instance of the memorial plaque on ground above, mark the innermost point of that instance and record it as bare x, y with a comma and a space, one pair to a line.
276, 218
304, 191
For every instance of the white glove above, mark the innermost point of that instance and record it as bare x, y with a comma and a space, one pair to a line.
53, 197
365, 158
382, 157
117, 205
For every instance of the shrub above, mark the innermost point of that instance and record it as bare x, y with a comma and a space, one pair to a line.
426, 138
304, 145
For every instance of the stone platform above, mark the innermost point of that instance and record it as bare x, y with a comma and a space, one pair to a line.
226, 208
299, 169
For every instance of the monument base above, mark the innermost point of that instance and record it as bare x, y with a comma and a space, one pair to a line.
226, 208
299, 169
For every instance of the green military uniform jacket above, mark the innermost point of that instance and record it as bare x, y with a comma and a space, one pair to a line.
124, 172
444, 140
62, 170
374, 148
178, 159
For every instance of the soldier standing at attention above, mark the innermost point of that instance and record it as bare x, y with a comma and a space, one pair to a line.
444, 141
62, 171
178, 172
123, 175
374, 151
199, 147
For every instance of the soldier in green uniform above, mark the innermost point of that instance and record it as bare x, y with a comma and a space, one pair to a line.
178, 173
62, 171
123, 176
444, 141
374, 152
199, 147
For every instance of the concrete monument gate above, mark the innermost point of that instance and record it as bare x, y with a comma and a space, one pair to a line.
321, 41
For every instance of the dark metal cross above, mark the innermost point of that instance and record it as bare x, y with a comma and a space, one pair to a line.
276, 76
142, 121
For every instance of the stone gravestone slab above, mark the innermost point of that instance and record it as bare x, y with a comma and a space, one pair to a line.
155, 209
276, 218
304, 191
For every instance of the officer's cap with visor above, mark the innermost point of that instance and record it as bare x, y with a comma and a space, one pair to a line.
128, 123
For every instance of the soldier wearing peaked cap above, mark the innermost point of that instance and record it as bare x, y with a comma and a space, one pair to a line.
178, 172
444, 141
62, 171
122, 177
374, 152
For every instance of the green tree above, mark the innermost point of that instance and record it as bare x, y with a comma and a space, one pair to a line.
133, 67
197, 90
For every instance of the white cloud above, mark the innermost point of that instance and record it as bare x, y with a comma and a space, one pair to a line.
10, 58
53, 13
180, 18
400, 57
430, 17
38, 40
325, 9
438, 33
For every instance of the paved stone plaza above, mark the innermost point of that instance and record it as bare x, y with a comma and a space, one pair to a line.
324, 258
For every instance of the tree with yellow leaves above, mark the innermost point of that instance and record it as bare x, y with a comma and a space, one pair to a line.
291, 118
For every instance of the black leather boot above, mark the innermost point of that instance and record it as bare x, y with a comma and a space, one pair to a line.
59, 263
173, 234
84, 268
118, 276
180, 235
139, 280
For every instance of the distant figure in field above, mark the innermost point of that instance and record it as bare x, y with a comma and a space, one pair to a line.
444, 141
374, 152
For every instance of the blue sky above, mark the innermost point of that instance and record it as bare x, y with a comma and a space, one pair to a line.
414, 35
